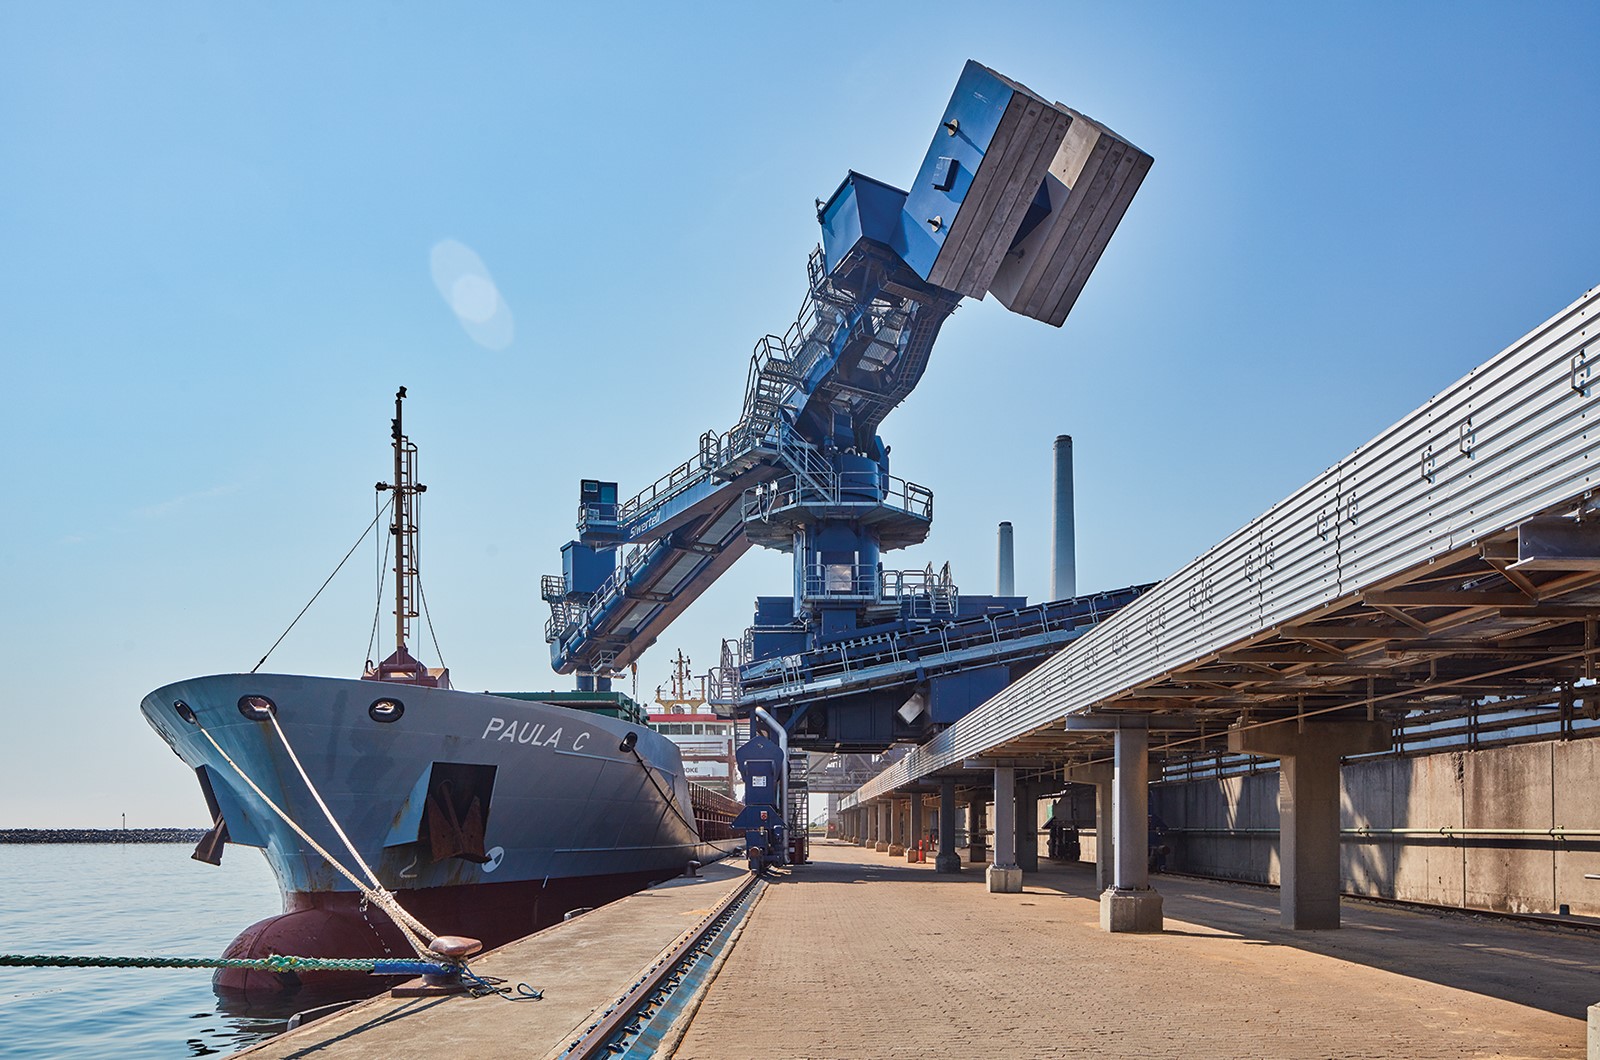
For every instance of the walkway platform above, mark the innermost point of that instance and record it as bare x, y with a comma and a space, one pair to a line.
582, 965
860, 956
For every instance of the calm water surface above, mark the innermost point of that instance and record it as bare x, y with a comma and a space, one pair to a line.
122, 900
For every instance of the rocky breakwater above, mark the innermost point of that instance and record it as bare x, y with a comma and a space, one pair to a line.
101, 835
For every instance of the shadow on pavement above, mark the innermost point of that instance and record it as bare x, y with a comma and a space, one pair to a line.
1548, 968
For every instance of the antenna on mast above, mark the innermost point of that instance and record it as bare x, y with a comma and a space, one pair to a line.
402, 666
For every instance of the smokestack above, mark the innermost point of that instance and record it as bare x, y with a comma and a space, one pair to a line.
1064, 563
1006, 577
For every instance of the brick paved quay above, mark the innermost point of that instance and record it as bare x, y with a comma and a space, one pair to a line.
865, 957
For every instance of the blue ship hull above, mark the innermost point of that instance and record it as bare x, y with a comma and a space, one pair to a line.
563, 816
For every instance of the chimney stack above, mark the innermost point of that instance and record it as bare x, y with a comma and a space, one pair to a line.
1006, 578
1064, 564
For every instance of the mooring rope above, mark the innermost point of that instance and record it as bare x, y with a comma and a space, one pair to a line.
429, 962
672, 803
478, 985
274, 963
409, 921
378, 896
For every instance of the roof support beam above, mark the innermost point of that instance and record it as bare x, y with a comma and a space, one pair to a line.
1443, 598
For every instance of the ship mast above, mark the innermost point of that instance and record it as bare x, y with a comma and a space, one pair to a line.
680, 677
401, 666
684, 698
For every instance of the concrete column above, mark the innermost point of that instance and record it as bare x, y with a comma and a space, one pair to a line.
1130, 801
1105, 844
1004, 875
897, 828
880, 833
1100, 775
1308, 808
1028, 827
947, 860
1131, 904
914, 833
977, 825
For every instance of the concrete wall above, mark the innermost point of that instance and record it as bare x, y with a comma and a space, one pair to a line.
1530, 786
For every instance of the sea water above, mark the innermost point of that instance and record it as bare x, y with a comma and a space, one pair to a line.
125, 899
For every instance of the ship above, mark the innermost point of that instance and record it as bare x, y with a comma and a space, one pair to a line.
486, 815
706, 740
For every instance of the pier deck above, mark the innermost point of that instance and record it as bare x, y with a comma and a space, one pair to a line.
863, 956
858, 955
582, 965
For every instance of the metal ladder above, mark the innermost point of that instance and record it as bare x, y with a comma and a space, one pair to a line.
811, 469
943, 596
772, 377
799, 809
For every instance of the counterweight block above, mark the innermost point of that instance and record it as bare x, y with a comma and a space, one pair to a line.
1016, 195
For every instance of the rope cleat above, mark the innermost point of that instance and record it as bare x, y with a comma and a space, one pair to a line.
444, 977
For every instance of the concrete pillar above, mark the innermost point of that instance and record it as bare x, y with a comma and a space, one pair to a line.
897, 828
880, 832
977, 827
914, 833
1027, 848
1130, 801
948, 860
1308, 808
1131, 904
1100, 775
1004, 876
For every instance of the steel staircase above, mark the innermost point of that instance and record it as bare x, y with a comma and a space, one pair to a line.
799, 809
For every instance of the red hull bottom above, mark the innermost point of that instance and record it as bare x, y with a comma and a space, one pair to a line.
341, 924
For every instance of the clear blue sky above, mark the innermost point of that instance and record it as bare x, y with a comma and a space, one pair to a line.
217, 226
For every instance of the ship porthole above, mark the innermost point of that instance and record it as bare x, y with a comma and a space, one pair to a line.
185, 712
386, 709
257, 708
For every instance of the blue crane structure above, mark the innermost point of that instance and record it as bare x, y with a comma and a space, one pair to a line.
1017, 197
